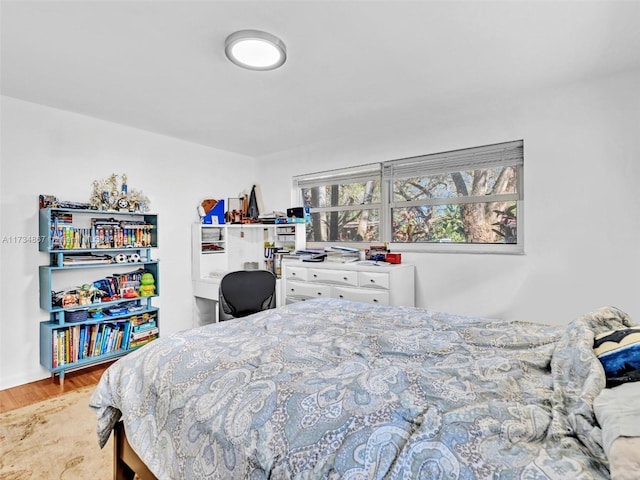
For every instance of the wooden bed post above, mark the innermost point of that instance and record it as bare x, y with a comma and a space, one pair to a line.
126, 463
121, 470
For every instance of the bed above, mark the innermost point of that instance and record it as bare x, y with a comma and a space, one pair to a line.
328, 389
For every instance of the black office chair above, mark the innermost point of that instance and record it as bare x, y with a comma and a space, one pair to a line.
244, 292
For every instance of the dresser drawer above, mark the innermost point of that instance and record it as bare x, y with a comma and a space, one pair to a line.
370, 295
335, 277
374, 280
297, 273
301, 290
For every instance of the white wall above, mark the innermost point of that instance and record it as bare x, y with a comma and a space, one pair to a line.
49, 151
582, 227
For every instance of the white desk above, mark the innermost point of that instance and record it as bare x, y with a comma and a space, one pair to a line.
207, 287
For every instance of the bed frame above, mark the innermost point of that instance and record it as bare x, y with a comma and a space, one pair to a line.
126, 463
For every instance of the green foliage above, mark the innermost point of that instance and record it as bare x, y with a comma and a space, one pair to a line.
507, 224
448, 226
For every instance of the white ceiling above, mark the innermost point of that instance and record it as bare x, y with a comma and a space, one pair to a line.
160, 65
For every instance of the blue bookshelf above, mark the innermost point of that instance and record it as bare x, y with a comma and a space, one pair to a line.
91, 285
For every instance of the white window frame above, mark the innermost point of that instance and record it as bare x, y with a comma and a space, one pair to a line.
488, 156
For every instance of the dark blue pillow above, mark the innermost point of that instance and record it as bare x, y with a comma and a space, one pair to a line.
619, 353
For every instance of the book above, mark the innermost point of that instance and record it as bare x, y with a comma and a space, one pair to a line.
125, 336
60, 335
67, 346
144, 333
92, 343
105, 336
144, 326
81, 343
96, 350
75, 330
54, 349
87, 341
70, 335
143, 341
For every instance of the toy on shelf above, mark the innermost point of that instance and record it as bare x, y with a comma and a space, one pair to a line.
128, 290
86, 293
51, 201
147, 285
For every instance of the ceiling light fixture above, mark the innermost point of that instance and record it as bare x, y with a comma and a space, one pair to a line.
255, 50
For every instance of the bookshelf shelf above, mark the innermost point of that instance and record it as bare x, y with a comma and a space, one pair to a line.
98, 265
91, 286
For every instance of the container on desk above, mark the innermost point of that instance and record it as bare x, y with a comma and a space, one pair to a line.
393, 258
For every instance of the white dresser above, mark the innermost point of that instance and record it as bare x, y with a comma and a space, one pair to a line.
383, 283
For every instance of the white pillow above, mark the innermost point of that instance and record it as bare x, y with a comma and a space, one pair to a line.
624, 459
618, 412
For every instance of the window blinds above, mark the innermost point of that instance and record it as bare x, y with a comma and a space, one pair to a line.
362, 173
488, 156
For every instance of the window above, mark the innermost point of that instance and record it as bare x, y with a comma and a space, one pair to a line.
463, 200
344, 204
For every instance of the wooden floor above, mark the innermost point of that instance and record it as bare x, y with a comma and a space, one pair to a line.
33, 392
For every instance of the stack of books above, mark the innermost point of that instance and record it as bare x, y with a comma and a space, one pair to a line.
144, 329
342, 254
271, 217
89, 259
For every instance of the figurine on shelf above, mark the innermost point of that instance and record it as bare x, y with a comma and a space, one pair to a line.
85, 294
113, 193
69, 300
147, 285
105, 205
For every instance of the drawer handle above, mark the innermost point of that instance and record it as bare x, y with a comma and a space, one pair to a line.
315, 276
372, 281
293, 274
345, 278
375, 300
293, 289
319, 293
341, 296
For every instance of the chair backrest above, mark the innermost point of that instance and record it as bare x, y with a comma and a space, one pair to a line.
244, 292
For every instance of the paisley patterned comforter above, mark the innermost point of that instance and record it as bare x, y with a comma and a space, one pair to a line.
333, 389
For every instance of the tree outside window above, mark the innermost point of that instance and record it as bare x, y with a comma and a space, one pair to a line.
347, 212
451, 207
464, 197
